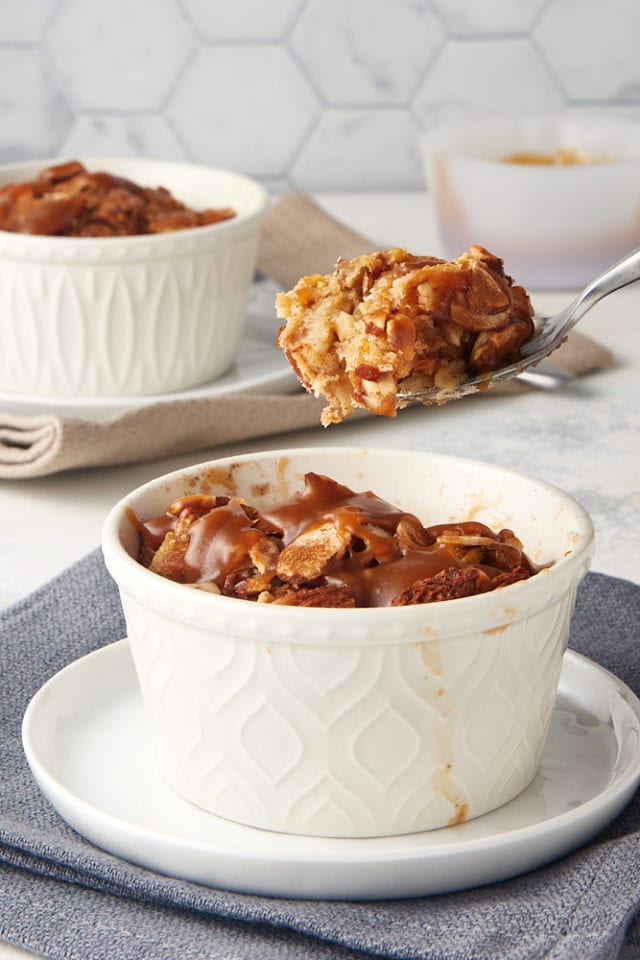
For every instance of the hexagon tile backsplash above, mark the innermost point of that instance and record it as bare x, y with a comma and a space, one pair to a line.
317, 95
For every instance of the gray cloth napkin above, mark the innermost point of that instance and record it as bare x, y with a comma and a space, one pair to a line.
63, 898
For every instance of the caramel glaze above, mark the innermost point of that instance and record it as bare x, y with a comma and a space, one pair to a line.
324, 499
378, 586
377, 563
219, 544
68, 200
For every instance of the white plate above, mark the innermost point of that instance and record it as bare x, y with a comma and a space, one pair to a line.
86, 742
260, 367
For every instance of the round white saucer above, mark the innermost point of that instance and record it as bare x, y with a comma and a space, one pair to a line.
260, 367
86, 741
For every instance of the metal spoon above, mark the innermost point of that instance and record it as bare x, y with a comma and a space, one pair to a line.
549, 334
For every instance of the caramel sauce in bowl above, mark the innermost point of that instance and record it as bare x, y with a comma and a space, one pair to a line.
560, 157
325, 546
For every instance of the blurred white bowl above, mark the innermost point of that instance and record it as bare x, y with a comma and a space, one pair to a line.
555, 226
110, 316
354, 722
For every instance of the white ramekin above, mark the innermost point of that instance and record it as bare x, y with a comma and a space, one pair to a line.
555, 226
131, 316
355, 722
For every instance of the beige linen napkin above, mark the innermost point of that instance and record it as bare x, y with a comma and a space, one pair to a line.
298, 238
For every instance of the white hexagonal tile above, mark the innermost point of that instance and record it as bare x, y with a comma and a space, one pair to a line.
103, 136
603, 63
127, 58
23, 22
366, 52
221, 20
243, 107
360, 150
485, 76
496, 17
34, 114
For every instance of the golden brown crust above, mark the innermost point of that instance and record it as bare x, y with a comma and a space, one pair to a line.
391, 321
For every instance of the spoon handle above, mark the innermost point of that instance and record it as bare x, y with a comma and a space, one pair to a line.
622, 273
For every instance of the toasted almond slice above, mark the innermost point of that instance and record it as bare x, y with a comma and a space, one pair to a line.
264, 553
209, 587
468, 540
309, 555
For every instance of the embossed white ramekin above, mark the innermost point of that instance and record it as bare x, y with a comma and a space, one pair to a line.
130, 316
355, 722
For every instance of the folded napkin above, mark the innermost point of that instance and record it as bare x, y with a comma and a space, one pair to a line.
63, 898
298, 237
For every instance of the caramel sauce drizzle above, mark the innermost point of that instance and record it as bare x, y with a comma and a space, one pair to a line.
376, 564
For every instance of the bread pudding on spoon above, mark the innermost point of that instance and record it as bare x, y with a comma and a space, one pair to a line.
387, 325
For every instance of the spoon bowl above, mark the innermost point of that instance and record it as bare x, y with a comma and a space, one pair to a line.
549, 333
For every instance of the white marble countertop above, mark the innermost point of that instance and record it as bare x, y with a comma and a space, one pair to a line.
583, 438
